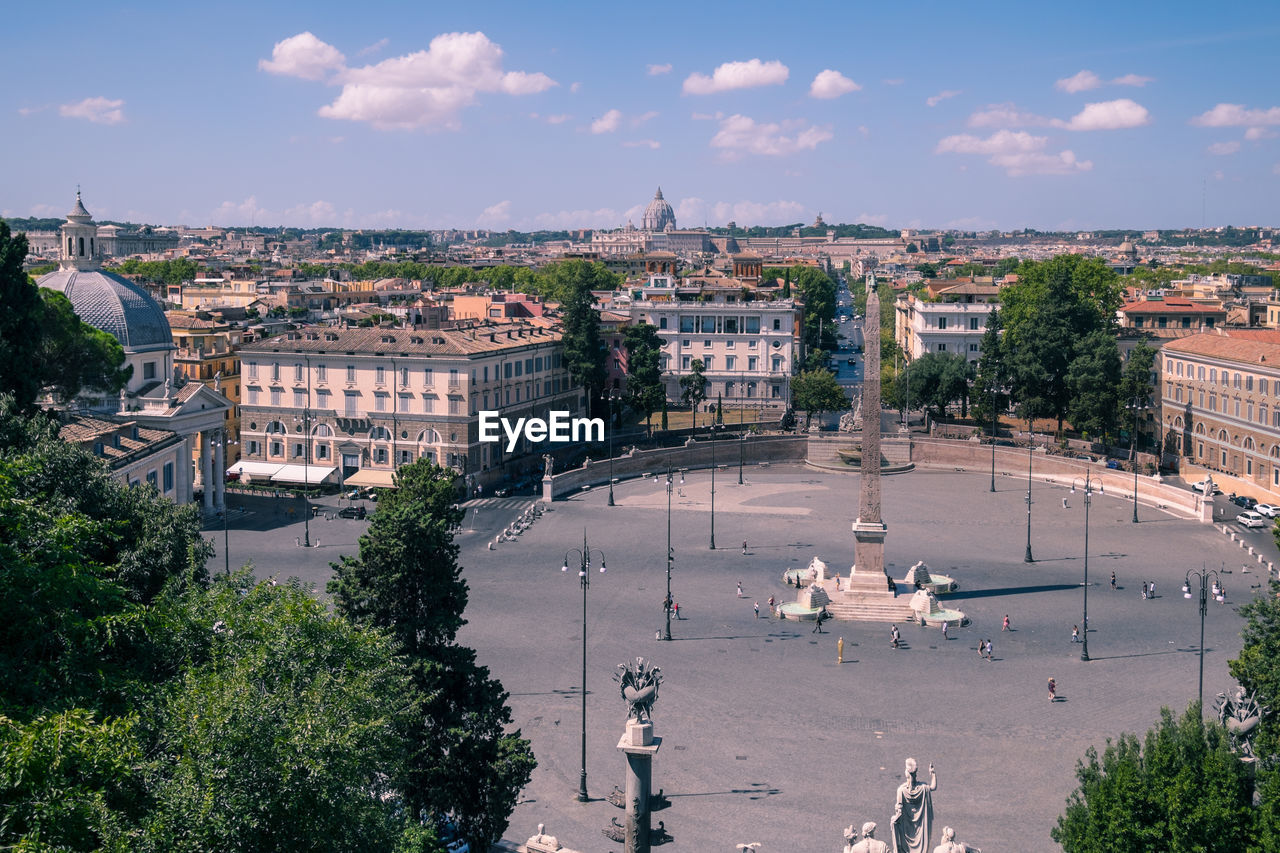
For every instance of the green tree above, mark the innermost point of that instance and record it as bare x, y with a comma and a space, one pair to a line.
1258, 669
645, 390
1182, 789
72, 355
991, 372
816, 391
1136, 379
407, 581
572, 283
20, 321
693, 388
1093, 385
935, 380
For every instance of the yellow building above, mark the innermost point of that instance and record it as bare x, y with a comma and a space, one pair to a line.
208, 353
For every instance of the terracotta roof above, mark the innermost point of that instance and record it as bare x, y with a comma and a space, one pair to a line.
1269, 336
1227, 347
410, 342
1169, 306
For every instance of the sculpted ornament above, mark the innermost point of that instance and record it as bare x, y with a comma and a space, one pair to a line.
913, 812
638, 683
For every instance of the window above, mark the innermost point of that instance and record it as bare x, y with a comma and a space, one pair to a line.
380, 375
453, 377
1248, 383
730, 362
1163, 322
297, 373
277, 448
455, 403
380, 401
777, 324
322, 398
253, 396
731, 325
708, 362
252, 448
297, 450
685, 362
352, 408
168, 476
1262, 386
777, 364
708, 325
1235, 378
428, 404
752, 361
973, 324
149, 370
752, 326
706, 344
973, 347
152, 479
275, 396
1213, 402
687, 324
528, 365
728, 344
752, 344
253, 370
380, 455
942, 323
299, 399
322, 373
322, 451
1236, 409
275, 372
427, 377
942, 347
406, 402
685, 342
662, 322
351, 373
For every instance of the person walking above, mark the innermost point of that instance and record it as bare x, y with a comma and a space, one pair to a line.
756, 607
1144, 590
1151, 590
1064, 503
1053, 690
817, 623
990, 654
744, 547
1005, 627
740, 589
1075, 633
772, 601
675, 608
1113, 581
894, 636
944, 629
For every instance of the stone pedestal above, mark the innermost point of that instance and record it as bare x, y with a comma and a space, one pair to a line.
640, 746
868, 555
548, 490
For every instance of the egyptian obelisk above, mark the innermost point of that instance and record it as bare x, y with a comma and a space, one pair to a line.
868, 529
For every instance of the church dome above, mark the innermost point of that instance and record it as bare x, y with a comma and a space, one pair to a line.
659, 216
112, 304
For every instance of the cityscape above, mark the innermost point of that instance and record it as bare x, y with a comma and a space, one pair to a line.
888, 391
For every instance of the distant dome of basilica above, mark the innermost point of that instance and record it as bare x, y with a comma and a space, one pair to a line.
659, 216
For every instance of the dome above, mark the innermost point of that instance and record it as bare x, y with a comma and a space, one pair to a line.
659, 216
112, 304
1127, 248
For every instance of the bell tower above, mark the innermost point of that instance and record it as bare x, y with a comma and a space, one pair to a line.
79, 239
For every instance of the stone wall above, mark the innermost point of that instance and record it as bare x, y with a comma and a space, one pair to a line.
755, 450
822, 449
1011, 462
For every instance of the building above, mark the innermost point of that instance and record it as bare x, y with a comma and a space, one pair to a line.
135, 454
497, 306
1221, 404
658, 216
155, 397
328, 405
1172, 316
952, 322
208, 353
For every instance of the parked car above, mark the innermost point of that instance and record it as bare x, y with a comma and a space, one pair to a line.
1244, 501
1249, 518
352, 512
1269, 510
1113, 464
1200, 486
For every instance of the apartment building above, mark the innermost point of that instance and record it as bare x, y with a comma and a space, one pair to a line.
351, 405
1221, 404
953, 321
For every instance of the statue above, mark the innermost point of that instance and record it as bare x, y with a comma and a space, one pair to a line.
950, 845
1240, 715
913, 812
638, 683
168, 388
217, 382
547, 463
869, 842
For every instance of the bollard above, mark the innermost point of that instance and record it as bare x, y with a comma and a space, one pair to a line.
840, 650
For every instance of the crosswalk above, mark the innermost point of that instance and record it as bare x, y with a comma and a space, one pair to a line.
497, 503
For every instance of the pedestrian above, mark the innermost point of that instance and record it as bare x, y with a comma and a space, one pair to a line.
893, 634
1113, 581
771, 603
739, 589
1064, 503
990, 654
1075, 633
757, 609
675, 606
944, 629
1151, 591
1006, 623
817, 623
1053, 690
744, 547
1144, 590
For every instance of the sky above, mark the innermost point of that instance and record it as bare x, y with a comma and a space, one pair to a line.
569, 115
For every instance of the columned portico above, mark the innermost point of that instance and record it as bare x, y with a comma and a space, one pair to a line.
220, 470
206, 469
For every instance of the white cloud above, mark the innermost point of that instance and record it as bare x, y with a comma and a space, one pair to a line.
642, 143
560, 118
303, 56
1132, 80
696, 211
655, 70
242, 213
574, 88
716, 116
98, 110
893, 81
1018, 153
872, 218
26, 111
831, 84
608, 122
1107, 115
636, 121
495, 214
373, 48
1079, 82
425, 89
316, 213
934, 100
741, 134
1223, 148
1006, 115
1236, 115
1255, 133
737, 75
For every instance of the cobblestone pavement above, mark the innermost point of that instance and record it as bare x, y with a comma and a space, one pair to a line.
765, 737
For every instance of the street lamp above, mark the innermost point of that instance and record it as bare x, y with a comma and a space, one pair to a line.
584, 555
1030, 447
993, 436
670, 554
226, 537
611, 397
711, 434
742, 438
1139, 402
1219, 595
1088, 492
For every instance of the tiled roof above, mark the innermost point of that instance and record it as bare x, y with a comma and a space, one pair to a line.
419, 342
1170, 307
1227, 347
112, 304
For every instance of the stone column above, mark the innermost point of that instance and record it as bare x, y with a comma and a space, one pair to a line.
206, 471
182, 474
869, 530
640, 746
220, 472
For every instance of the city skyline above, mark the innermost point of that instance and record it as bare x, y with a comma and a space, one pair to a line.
507, 117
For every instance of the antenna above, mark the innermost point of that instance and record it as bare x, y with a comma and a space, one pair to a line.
1204, 195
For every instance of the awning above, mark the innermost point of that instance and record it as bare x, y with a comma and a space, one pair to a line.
370, 477
312, 475
264, 470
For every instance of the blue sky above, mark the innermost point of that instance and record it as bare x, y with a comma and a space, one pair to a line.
520, 115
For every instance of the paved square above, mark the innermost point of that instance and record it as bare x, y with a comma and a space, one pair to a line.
765, 737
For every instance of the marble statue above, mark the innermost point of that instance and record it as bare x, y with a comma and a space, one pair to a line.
217, 382
168, 388
913, 812
547, 463
950, 845
1240, 716
638, 683
869, 842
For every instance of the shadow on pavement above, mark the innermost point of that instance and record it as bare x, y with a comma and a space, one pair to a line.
1016, 590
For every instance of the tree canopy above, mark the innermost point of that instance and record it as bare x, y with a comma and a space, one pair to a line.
645, 390
816, 391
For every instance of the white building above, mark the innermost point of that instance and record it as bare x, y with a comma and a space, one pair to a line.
953, 322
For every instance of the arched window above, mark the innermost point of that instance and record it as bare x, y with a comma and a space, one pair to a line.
276, 428
90, 246
1248, 443
322, 431
428, 436
1275, 451
379, 433
81, 239
1177, 422
1222, 436
1199, 429
70, 247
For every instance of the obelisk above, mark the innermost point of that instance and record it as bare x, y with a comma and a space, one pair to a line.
869, 530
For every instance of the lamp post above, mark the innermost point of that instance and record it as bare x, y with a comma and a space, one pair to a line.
993, 436
711, 433
742, 438
1088, 493
226, 537
584, 556
670, 555
1219, 595
1138, 403
611, 398
1030, 447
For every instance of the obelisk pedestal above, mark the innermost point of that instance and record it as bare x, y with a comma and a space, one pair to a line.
640, 745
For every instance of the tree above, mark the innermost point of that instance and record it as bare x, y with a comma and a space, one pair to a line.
1136, 380
1182, 789
406, 581
935, 380
1093, 382
991, 373
816, 391
584, 353
20, 321
1258, 669
645, 390
693, 388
